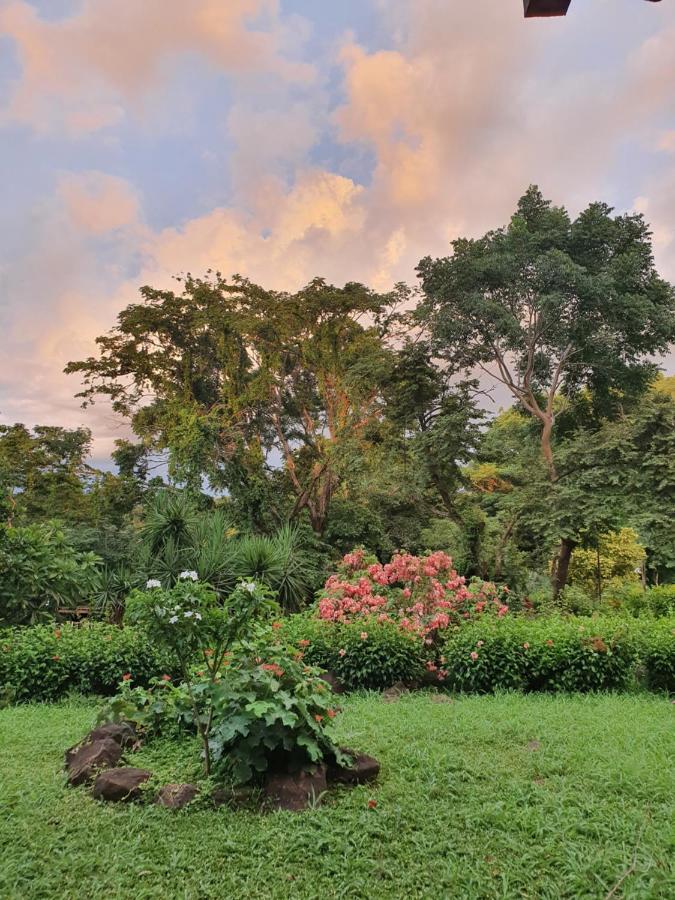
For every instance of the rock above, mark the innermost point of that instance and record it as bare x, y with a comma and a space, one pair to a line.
176, 796
122, 733
335, 684
395, 691
296, 790
365, 768
120, 784
85, 761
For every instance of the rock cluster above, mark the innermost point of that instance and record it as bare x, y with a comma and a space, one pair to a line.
95, 760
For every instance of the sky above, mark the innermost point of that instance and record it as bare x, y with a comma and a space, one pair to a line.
285, 139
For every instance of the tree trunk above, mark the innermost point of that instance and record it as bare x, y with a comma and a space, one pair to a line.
562, 565
546, 449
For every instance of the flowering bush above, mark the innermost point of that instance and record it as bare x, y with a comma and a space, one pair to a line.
199, 631
252, 704
422, 595
266, 711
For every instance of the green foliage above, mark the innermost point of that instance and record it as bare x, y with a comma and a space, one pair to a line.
250, 712
44, 662
386, 655
177, 537
42, 472
616, 557
546, 654
658, 601
553, 304
39, 572
658, 654
451, 538
270, 713
223, 373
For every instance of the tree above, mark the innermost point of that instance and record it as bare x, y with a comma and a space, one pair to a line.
553, 305
43, 472
437, 417
229, 378
549, 306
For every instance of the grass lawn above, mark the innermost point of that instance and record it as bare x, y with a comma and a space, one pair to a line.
506, 796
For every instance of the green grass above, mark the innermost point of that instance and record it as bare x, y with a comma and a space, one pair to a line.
467, 807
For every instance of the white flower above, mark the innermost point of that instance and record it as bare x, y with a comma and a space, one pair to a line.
250, 587
198, 616
153, 583
192, 576
188, 614
173, 620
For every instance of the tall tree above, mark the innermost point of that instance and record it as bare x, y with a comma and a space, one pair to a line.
437, 416
230, 378
43, 472
549, 306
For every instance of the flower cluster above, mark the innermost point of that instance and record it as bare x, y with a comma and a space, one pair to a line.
421, 594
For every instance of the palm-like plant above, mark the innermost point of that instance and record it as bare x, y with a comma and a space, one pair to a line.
175, 537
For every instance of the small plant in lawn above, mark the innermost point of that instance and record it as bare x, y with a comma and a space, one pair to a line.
199, 631
252, 703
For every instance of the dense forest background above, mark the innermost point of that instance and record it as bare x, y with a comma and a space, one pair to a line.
297, 426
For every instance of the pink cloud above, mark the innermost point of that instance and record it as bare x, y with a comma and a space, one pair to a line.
86, 71
456, 114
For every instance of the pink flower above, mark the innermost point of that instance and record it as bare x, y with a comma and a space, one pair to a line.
480, 643
474, 655
341, 652
364, 635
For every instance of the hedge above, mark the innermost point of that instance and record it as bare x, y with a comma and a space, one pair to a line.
539, 654
384, 656
543, 655
530, 654
44, 662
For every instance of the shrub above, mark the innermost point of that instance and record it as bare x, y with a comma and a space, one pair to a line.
661, 600
44, 662
40, 571
574, 654
363, 654
658, 655
251, 703
634, 599
421, 595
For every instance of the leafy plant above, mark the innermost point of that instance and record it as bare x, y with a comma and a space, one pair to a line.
44, 662
39, 572
193, 625
271, 712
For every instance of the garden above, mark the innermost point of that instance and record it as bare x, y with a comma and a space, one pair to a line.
331, 629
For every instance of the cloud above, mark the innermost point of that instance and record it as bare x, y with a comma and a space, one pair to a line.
464, 108
85, 72
98, 203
